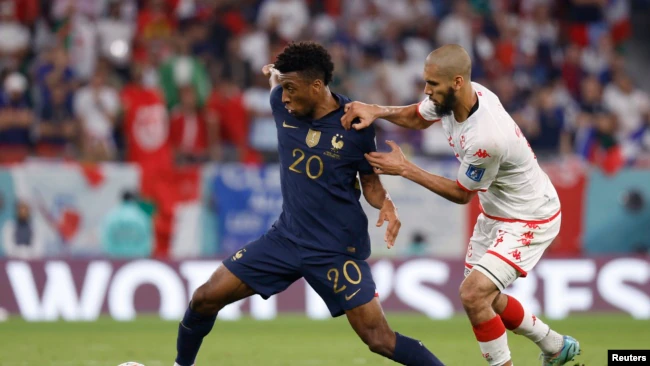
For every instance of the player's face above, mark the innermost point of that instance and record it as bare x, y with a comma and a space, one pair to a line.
299, 95
440, 90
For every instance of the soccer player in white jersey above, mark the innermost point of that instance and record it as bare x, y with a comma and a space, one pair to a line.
520, 210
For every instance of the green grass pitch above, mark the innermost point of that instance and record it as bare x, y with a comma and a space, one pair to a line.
289, 340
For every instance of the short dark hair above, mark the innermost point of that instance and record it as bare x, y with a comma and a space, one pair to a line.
308, 58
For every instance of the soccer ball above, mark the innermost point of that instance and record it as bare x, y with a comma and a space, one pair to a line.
130, 363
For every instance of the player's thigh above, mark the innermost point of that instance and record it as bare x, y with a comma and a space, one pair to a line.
343, 282
268, 265
516, 251
479, 242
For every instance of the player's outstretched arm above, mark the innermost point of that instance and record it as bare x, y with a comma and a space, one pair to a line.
441, 186
404, 116
376, 195
270, 72
395, 163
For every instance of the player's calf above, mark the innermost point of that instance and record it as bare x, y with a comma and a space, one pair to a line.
523, 322
221, 289
191, 331
477, 293
409, 351
369, 323
399, 348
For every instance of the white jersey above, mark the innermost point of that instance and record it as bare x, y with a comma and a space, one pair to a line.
497, 161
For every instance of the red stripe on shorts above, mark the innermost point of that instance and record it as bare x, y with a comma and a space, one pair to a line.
523, 273
533, 222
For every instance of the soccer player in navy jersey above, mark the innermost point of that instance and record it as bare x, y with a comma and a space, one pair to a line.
322, 232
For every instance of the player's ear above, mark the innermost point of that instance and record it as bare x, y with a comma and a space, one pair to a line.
459, 81
317, 84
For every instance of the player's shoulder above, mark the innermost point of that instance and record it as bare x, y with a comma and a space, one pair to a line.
362, 139
364, 136
490, 106
480, 134
365, 133
483, 91
485, 148
484, 137
487, 97
343, 99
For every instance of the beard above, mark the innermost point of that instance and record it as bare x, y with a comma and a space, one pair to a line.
448, 102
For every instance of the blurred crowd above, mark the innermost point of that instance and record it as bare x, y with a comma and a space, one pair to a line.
175, 82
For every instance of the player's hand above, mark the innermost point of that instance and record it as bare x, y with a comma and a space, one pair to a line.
268, 70
364, 112
388, 213
390, 163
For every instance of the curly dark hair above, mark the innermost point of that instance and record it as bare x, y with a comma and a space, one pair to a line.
307, 58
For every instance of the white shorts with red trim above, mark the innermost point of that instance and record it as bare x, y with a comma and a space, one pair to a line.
506, 250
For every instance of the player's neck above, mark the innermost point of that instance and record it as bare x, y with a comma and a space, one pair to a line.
328, 105
466, 101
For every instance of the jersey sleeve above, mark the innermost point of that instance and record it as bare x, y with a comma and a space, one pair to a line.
427, 110
368, 145
479, 167
276, 99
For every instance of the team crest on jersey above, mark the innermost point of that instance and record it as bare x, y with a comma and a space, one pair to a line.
475, 173
337, 144
312, 138
238, 255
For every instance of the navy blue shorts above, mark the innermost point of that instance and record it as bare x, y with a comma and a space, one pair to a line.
272, 263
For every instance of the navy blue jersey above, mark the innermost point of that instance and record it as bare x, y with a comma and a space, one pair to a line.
319, 161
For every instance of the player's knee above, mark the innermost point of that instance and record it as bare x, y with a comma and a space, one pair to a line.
380, 345
204, 303
471, 297
380, 341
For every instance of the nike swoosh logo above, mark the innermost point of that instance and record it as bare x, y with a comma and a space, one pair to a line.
284, 124
348, 297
